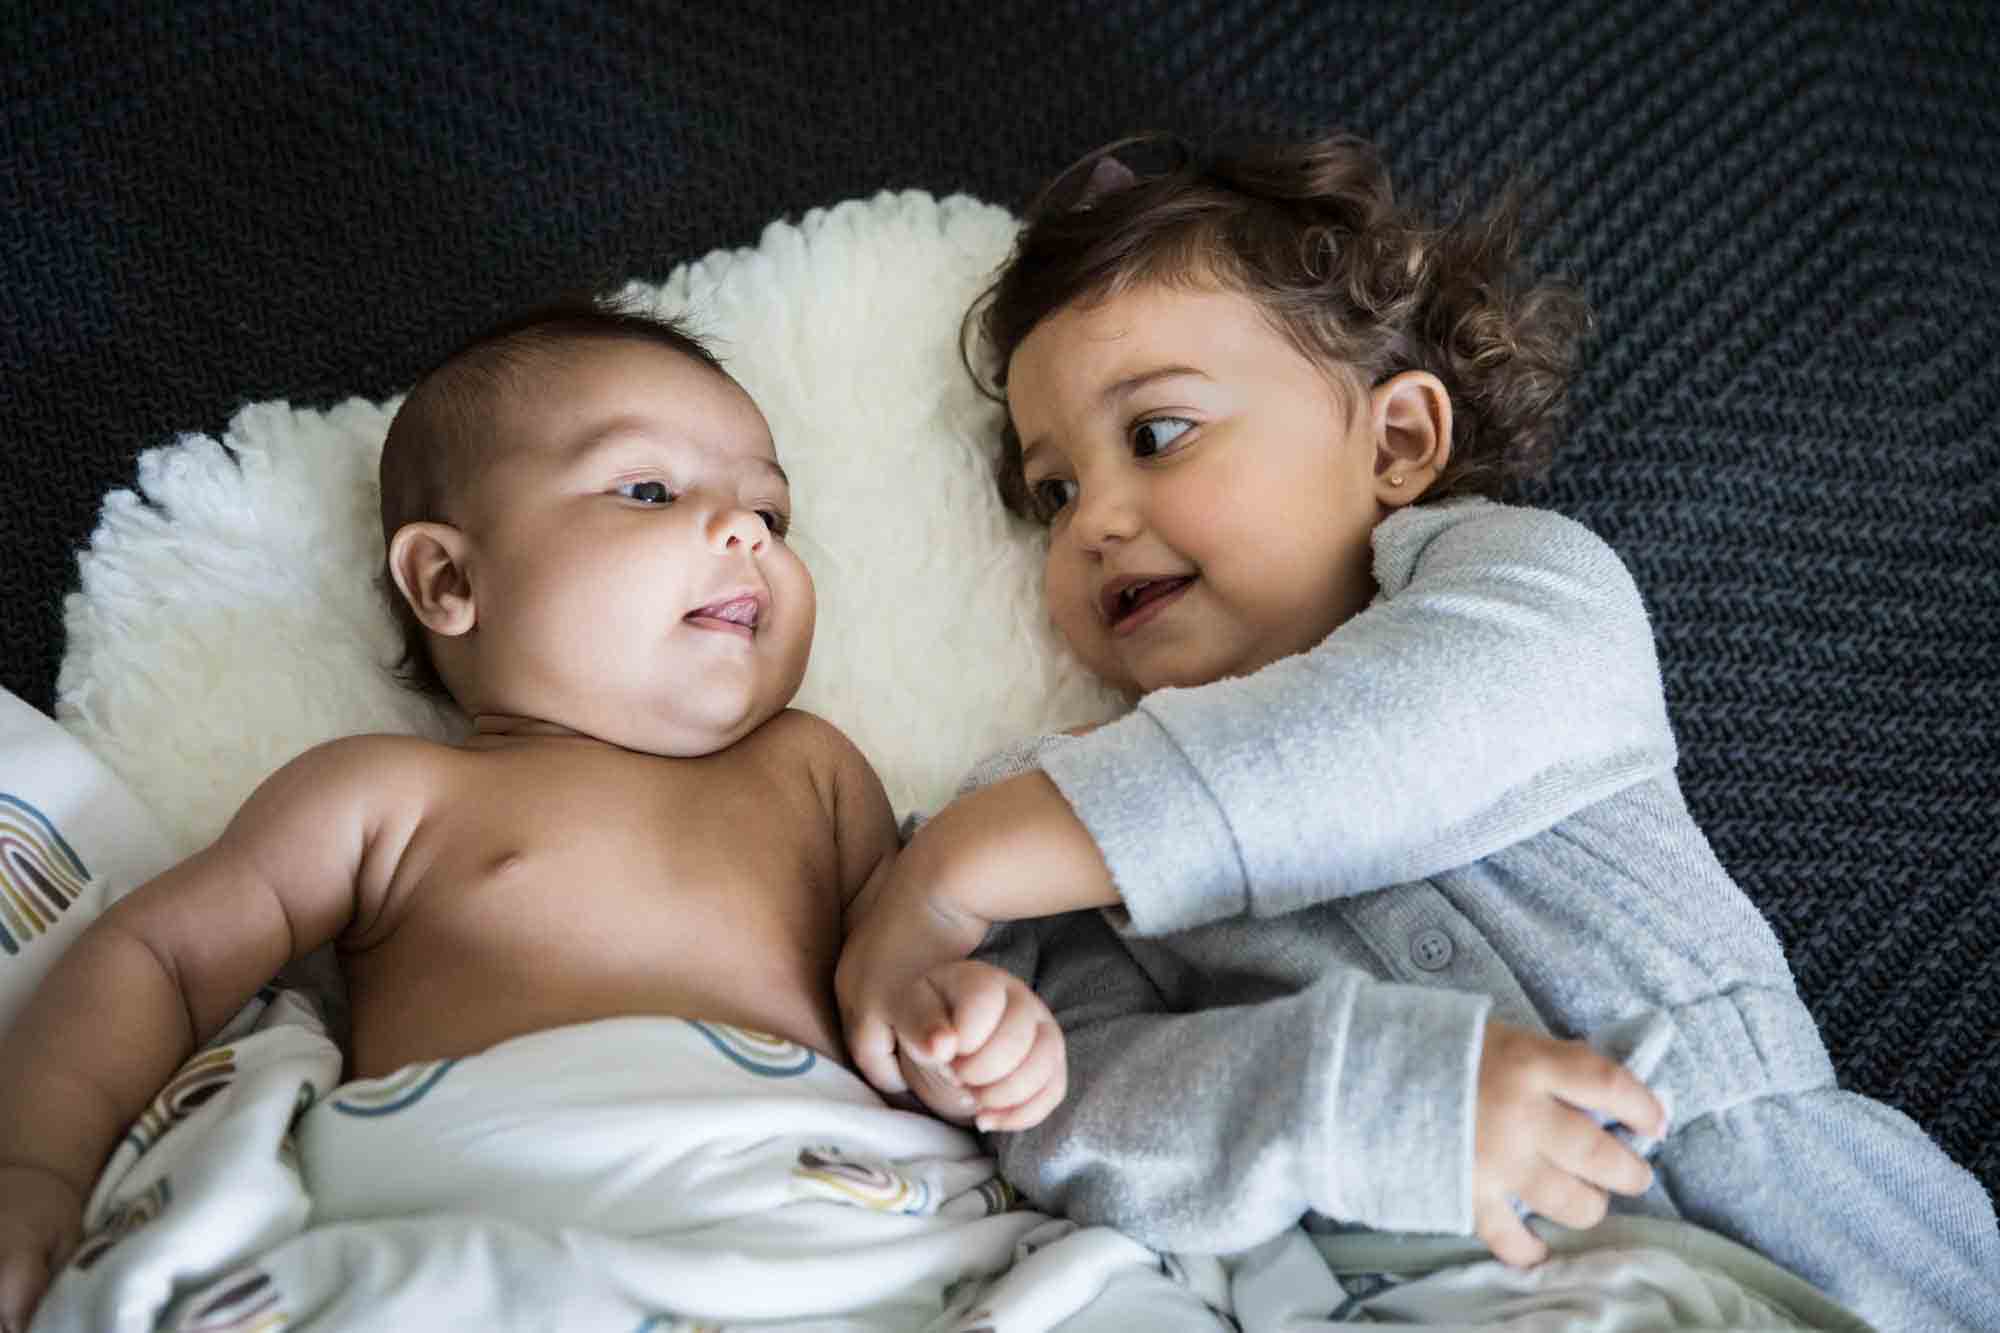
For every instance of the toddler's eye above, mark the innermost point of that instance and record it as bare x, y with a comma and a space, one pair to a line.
775, 521
647, 492
1050, 497
1157, 435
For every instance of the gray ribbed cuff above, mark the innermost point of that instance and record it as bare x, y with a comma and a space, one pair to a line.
1172, 875
1401, 1111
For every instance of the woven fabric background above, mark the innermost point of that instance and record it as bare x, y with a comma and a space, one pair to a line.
1788, 216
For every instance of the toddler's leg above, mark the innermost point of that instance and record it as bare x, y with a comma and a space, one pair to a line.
1850, 1195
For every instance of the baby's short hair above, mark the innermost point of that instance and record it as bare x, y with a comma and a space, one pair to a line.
442, 431
1313, 233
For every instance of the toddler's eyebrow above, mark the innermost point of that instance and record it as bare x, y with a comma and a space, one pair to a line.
1119, 390
1131, 384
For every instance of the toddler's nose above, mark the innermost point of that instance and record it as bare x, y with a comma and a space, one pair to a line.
1104, 514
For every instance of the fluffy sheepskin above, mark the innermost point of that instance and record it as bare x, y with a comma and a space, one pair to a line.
228, 618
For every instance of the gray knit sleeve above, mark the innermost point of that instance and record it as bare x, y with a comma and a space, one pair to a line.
1504, 678
1211, 1131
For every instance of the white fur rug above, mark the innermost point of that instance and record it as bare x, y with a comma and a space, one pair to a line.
228, 619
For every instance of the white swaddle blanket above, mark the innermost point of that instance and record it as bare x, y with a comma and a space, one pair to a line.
633, 1173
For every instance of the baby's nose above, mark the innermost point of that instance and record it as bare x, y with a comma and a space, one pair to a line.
732, 525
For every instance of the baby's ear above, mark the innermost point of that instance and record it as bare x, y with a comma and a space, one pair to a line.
1412, 427
427, 560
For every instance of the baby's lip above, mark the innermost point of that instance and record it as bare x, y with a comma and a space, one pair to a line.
743, 609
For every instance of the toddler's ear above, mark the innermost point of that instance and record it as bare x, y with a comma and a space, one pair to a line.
1411, 415
427, 560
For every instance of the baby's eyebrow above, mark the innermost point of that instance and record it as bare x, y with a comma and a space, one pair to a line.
620, 429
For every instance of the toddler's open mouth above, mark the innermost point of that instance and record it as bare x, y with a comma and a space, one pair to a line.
1130, 602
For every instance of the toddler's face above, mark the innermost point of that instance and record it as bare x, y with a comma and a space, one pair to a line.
1210, 493
628, 566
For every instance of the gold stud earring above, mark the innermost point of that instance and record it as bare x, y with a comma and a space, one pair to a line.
1395, 481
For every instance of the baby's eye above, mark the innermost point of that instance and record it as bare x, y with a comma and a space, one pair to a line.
775, 521
647, 492
1158, 434
1050, 497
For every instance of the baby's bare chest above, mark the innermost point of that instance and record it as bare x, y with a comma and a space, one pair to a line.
554, 893
597, 850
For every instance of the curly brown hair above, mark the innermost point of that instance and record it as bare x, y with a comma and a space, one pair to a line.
442, 434
1312, 231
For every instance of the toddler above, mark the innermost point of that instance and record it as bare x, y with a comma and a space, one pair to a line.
585, 519
1391, 835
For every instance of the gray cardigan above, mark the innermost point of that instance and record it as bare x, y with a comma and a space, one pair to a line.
1462, 802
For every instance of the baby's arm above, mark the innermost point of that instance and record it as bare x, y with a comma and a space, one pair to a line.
864, 825
159, 973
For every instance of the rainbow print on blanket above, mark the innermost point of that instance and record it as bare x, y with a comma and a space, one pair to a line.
627, 1173
40, 874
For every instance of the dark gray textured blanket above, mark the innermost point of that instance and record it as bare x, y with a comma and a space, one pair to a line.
1788, 217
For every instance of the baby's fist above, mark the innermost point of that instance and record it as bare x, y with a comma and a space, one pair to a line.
39, 1214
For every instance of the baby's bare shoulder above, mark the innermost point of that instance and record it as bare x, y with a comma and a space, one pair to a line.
797, 734
374, 757
351, 774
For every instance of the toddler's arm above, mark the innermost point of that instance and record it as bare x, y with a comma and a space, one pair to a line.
1389, 1106
158, 974
1505, 680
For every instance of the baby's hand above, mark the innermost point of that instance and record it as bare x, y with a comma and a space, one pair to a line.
39, 1217
1535, 1139
983, 1047
897, 936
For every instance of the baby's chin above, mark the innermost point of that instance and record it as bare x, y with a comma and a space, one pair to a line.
691, 737
669, 729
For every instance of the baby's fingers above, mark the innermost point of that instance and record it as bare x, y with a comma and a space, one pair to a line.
24, 1275
925, 1030
935, 1090
871, 1044
916, 1027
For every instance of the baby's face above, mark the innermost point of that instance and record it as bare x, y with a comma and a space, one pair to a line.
1210, 494
626, 551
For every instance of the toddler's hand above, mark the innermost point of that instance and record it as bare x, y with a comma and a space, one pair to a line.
1535, 1139
39, 1217
984, 1048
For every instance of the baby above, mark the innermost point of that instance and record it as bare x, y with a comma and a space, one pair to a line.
585, 519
